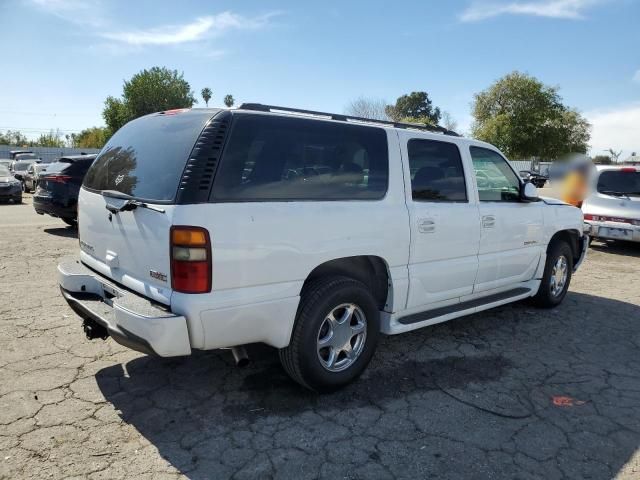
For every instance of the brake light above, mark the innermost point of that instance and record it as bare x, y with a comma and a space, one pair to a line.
190, 259
58, 178
628, 169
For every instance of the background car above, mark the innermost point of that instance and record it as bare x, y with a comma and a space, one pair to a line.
537, 179
19, 169
30, 179
10, 187
59, 185
613, 209
5, 162
21, 157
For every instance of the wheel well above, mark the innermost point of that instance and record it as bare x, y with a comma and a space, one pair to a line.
572, 238
368, 269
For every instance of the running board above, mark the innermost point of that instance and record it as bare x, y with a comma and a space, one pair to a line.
458, 307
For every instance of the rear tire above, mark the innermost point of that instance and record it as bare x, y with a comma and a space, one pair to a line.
18, 199
557, 276
334, 336
70, 221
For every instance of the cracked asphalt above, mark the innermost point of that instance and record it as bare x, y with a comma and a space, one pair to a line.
510, 393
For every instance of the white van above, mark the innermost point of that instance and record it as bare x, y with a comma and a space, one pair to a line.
310, 232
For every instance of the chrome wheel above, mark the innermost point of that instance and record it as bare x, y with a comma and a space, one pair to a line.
342, 337
559, 275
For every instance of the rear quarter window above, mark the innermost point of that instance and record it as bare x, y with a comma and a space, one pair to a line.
282, 158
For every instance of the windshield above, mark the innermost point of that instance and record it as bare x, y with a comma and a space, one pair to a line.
4, 171
146, 157
619, 182
21, 167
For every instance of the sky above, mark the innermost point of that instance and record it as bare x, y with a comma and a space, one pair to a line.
62, 58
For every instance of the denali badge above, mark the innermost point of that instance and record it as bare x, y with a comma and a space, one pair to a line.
119, 179
158, 276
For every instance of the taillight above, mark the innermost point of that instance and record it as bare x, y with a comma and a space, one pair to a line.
58, 178
190, 259
603, 218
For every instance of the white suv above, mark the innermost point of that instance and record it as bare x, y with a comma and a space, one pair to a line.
310, 232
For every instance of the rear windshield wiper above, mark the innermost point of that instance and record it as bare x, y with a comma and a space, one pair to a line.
615, 193
130, 203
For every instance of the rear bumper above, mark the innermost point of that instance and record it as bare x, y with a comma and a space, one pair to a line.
55, 208
131, 319
610, 231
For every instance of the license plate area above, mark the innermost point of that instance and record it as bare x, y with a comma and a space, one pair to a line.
618, 233
109, 293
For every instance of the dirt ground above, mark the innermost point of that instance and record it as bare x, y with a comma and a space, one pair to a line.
510, 393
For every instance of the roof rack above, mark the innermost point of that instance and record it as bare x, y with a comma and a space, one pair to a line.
259, 107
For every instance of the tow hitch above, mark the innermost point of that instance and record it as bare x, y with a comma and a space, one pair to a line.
93, 330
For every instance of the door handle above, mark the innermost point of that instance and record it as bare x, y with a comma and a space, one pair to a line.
488, 221
426, 225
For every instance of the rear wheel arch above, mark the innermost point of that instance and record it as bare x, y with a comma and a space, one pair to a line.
371, 270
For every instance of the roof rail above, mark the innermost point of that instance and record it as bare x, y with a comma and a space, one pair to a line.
259, 107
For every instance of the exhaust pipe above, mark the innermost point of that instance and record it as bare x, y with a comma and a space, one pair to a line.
240, 356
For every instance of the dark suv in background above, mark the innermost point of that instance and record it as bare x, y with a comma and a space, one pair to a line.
59, 185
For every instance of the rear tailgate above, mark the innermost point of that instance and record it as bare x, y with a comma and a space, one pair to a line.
144, 160
130, 247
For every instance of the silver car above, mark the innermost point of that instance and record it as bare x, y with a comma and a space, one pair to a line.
613, 208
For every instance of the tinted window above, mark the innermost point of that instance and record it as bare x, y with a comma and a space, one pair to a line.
497, 182
147, 156
619, 182
283, 158
436, 171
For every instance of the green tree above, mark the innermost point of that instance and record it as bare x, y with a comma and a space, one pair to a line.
415, 107
13, 137
148, 91
51, 139
206, 95
94, 137
229, 100
525, 118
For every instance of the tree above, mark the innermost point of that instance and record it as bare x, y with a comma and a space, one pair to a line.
229, 101
416, 107
148, 91
525, 118
367, 108
448, 121
206, 95
614, 155
13, 137
51, 139
94, 137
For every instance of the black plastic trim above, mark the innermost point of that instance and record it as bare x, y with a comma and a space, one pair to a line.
458, 307
199, 171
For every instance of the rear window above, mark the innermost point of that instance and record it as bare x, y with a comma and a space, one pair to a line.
147, 156
70, 168
282, 158
619, 182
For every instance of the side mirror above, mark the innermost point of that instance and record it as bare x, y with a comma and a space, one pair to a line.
528, 192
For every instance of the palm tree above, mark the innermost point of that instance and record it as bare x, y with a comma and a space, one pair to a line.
229, 100
206, 95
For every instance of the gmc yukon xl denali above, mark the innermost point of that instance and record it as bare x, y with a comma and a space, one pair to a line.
310, 232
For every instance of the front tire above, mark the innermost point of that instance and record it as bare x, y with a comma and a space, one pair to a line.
334, 336
557, 276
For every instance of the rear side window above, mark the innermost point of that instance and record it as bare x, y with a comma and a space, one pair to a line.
436, 171
283, 158
147, 156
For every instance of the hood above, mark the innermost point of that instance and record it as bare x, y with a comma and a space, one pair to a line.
6, 178
554, 201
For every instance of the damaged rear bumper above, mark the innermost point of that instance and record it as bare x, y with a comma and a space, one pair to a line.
130, 319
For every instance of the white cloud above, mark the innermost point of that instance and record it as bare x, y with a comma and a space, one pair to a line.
617, 128
566, 9
199, 29
88, 13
